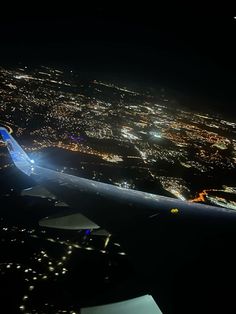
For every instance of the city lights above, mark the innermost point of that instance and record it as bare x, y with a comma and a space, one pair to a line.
139, 129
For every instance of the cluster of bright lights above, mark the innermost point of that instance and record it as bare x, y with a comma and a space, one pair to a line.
133, 121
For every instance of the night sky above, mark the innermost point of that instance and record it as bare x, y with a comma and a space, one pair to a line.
192, 51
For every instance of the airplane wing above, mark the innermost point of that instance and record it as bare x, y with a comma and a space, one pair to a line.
50, 178
150, 227
111, 207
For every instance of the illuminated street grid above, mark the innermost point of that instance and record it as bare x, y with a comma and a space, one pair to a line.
139, 136
38, 269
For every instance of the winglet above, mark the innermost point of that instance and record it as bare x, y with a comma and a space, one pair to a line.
19, 157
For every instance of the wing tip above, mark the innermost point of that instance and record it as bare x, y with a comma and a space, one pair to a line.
18, 155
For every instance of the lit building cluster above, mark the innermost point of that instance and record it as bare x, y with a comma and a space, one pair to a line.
176, 186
